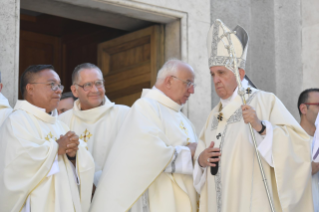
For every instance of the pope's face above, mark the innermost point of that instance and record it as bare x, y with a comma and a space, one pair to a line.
224, 81
179, 90
65, 104
312, 110
42, 94
89, 97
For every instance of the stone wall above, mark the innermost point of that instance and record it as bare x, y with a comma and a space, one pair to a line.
9, 48
310, 43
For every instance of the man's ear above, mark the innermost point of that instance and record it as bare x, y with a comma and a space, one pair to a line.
1, 85
303, 109
29, 88
242, 73
168, 81
74, 91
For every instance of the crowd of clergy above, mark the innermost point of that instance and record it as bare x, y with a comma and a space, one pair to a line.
80, 152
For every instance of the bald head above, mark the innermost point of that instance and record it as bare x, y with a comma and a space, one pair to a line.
176, 80
171, 67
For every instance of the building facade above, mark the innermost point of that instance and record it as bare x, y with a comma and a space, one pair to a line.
282, 39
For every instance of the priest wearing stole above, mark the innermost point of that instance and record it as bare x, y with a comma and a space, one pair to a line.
5, 108
225, 138
43, 165
149, 168
94, 117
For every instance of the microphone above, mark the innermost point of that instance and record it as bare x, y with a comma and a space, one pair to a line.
214, 170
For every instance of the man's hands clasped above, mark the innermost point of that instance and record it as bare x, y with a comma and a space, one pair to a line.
68, 144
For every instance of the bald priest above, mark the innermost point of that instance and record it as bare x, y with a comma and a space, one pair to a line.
43, 165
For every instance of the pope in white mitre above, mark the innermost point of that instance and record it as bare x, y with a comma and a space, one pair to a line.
5, 108
149, 168
43, 165
94, 117
237, 185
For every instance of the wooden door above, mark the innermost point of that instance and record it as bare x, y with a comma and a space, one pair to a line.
130, 63
36, 49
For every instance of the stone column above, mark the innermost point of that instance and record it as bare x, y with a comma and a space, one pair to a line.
9, 47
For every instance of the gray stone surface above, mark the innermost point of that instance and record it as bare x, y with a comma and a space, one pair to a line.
9, 48
310, 43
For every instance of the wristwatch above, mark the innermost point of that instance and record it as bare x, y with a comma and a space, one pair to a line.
263, 127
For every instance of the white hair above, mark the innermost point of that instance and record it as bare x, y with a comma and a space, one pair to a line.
170, 67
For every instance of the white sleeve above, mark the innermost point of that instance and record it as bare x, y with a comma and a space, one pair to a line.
264, 143
182, 161
75, 172
97, 176
199, 177
55, 167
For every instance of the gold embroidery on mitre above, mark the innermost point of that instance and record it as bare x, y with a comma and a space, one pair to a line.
86, 135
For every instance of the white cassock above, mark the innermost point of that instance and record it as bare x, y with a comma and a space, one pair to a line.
149, 159
5, 108
98, 127
285, 155
315, 157
32, 176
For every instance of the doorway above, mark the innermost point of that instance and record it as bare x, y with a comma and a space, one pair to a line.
129, 60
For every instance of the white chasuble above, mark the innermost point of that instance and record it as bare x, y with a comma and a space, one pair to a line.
30, 168
98, 127
238, 185
142, 151
5, 108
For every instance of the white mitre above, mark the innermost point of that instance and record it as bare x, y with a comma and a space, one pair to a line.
218, 53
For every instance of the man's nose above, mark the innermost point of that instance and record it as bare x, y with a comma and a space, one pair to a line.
191, 89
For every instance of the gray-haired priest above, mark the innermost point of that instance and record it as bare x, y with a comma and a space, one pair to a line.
150, 165
237, 185
5, 108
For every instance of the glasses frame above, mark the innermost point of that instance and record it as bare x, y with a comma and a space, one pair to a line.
187, 83
82, 86
308, 103
54, 86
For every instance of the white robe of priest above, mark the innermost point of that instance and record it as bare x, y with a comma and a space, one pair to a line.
98, 127
154, 130
285, 156
31, 170
5, 108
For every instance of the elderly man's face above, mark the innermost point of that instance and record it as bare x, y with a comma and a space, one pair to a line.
90, 89
179, 89
65, 104
42, 94
224, 81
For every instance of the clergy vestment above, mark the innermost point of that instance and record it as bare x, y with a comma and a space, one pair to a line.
285, 155
142, 160
5, 108
315, 158
98, 127
32, 172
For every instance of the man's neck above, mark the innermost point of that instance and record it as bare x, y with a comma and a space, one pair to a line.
308, 127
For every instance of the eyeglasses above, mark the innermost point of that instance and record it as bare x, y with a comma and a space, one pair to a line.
187, 83
316, 103
89, 85
54, 86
